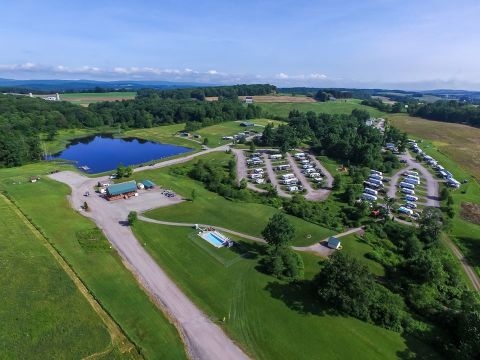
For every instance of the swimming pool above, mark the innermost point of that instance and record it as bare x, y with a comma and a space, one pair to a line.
213, 238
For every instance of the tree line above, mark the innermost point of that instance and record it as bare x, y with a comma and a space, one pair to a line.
199, 93
447, 111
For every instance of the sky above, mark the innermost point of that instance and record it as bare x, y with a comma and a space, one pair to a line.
401, 44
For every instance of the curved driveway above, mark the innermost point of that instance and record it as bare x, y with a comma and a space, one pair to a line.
204, 339
432, 198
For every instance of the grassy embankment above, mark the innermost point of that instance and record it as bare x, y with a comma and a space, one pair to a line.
457, 148
43, 313
268, 318
97, 265
330, 107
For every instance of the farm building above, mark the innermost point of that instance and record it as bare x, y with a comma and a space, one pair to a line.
247, 124
122, 190
248, 100
334, 243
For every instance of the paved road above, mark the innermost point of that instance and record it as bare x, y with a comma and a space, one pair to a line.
273, 178
321, 248
432, 198
204, 339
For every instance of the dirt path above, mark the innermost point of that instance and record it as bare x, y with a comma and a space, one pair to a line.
273, 177
181, 160
469, 270
204, 339
118, 339
233, 232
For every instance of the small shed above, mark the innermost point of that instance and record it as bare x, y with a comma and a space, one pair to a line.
333, 243
148, 184
247, 124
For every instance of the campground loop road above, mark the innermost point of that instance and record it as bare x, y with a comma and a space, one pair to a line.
432, 198
273, 178
203, 338
242, 169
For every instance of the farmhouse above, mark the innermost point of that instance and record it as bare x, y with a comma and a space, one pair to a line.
122, 190
248, 100
334, 243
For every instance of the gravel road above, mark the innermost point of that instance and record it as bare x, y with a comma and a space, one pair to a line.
204, 339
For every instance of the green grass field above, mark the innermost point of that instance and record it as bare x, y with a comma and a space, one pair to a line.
268, 318
354, 246
88, 98
43, 314
331, 107
459, 142
101, 269
212, 209
163, 134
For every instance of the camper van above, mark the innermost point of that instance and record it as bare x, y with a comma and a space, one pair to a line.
375, 181
309, 171
411, 205
276, 156
314, 175
407, 185
292, 188
376, 176
305, 161
288, 176
289, 181
369, 197
411, 198
408, 191
410, 172
412, 181
371, 185
376, 172
258, 171
370, 191
282, 167
405, 210
255, 176
307, 166
299, 155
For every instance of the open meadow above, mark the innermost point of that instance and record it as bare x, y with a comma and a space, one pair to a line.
87, 251
460, 142
43, 313
87, 98
341, 106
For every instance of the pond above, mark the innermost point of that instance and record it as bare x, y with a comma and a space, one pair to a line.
100, 153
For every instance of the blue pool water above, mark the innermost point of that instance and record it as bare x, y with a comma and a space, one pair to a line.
214, 239
104, 153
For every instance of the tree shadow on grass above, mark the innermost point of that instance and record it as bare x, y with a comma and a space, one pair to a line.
248, 250
299, 296
472, 246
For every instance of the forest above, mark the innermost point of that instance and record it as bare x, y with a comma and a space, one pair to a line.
199, 93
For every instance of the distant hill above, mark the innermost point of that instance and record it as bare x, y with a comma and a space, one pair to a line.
84, 85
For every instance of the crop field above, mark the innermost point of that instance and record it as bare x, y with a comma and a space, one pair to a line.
95, 262
280, 99
331, 107
459, 142
267, 317
43, 313
87, 98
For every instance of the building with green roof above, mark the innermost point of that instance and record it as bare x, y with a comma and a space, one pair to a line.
118, 190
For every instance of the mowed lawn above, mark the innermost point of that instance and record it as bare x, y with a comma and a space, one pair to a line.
212, 209
88, 98
43, 314
331, 107
268, 318
98, 265
460, 142
163, 134
216, 132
